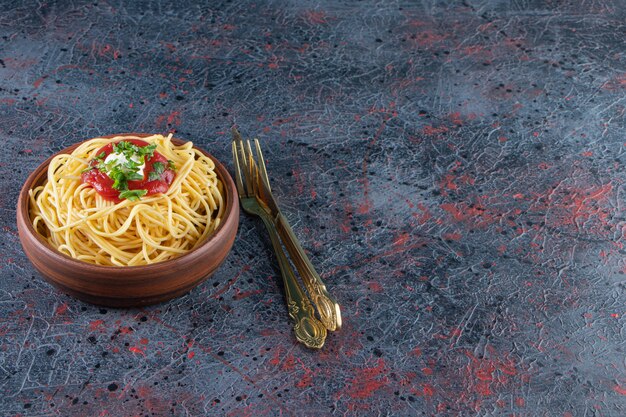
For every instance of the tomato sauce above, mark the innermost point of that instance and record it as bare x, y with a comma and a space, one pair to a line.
103, 184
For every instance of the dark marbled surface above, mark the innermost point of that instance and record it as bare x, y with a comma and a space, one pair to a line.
456, 172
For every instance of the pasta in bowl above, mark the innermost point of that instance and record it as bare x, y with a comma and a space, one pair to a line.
128, 219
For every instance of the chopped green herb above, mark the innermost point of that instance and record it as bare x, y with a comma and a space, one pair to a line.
133, 195
171, 165
129, 149
125, 166
157, 170
148, 150
120, 182
123, 147
134, 176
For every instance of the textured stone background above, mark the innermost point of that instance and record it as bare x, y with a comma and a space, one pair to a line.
456, 172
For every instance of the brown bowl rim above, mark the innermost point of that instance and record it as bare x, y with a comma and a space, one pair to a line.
24, 204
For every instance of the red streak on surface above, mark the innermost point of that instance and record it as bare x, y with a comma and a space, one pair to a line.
136, 349
483, 388
289, 363
476, 50
365, 207
126, 330
95, 325
276, 358
425, 216
244, 294
297, 175
367, 381
428, 38
619, 390
172, 119
305, 381
105, 50
316, 17
431, 131
582, 202
231, 282
307, 378
456, 118
428, 390
61, 309
577, 207
482, 372
39, 80
475, 214
507, 368
452, 236
268, 332
401, 240
447, 183
416, 351
615, 83
452, 209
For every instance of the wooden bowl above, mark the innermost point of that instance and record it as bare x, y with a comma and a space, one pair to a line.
128, 286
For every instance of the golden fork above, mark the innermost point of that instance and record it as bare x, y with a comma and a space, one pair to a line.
308, 329
328, 309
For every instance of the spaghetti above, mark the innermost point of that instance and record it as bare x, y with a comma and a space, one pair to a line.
79, 222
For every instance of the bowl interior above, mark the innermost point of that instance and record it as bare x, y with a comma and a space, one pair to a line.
39, 176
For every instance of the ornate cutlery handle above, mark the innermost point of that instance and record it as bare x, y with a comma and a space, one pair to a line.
328, 308
308, 329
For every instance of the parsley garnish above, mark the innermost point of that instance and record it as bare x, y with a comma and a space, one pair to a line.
124, 147
127, 169
148, 150
157, 170
132, 195
171, 165
99, 165
119, 178
123, 172
130, 149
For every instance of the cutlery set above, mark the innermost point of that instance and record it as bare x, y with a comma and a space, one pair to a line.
303, 296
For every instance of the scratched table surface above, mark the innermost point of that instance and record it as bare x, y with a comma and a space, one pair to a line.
456, 173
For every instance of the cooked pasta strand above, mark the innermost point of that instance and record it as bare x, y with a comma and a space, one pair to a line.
78, 222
